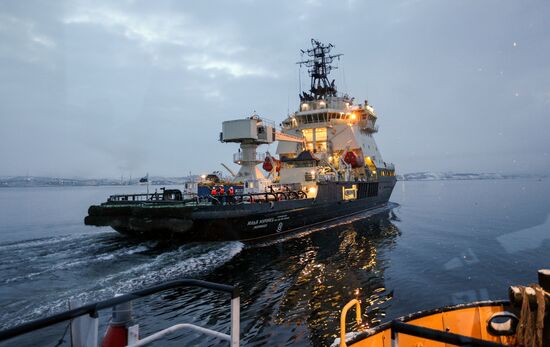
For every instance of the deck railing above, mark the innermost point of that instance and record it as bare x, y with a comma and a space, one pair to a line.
225, 199
136, 197
239, 157
398, 327
91, 310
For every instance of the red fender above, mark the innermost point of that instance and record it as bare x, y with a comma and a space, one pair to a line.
115, 336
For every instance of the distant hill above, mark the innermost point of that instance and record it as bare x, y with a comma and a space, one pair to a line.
440, 176
37, 181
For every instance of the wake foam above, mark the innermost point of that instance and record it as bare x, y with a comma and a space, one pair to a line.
186, 261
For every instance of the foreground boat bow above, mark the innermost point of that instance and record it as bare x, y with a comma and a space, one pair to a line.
524, 320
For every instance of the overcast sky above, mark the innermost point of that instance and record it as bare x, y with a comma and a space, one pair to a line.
96, 89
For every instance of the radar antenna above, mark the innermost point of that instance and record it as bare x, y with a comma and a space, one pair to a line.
319, 66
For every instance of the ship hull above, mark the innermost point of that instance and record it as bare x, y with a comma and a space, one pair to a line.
230, 222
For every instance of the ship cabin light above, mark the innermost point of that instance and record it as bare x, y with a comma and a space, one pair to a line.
304, 106
203, 177
322, 104
312, 173
349, 193
312, 191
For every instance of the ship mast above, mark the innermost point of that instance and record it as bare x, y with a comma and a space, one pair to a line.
319, 67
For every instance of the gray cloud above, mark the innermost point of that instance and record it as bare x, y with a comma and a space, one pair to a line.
105, 89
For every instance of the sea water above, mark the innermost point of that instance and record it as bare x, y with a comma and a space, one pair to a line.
437, 243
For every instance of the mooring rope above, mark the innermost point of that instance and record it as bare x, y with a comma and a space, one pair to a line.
531, 322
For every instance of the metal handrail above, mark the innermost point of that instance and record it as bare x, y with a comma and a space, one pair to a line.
437, 335
92, 309
136, 197
357, 304
240, 157
224, 198
239, 198
175, 328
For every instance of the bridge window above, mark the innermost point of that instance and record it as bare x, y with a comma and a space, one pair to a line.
320, 134
308, 134
316, 139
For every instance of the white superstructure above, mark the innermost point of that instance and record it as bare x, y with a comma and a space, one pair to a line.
332, 127
330, 138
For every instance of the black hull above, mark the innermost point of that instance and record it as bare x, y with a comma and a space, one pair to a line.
231, 222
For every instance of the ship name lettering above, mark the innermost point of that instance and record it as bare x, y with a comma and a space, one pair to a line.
268, 220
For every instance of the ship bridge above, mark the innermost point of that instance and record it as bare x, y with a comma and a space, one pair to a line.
339, 111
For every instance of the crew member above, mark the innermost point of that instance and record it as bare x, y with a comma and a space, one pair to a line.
231, 191
222, 190
214, 191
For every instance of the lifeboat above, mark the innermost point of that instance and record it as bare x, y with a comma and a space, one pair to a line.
353, 160
268, 164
